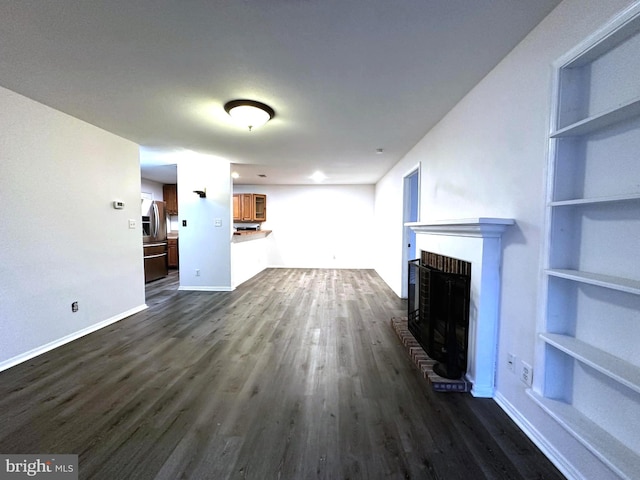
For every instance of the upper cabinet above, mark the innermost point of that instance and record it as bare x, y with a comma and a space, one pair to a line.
259, 204
249, 207
170, 194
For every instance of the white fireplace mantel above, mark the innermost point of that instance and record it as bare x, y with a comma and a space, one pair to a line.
464, 227
478, 241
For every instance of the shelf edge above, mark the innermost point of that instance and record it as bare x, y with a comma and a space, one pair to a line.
602, 120
609, 450
595, 200
620, 284
613, 367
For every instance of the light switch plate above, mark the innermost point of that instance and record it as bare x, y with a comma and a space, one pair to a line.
511, 362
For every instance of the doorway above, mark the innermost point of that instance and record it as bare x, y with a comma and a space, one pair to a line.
411, 213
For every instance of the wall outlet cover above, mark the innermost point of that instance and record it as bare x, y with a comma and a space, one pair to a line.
526, 374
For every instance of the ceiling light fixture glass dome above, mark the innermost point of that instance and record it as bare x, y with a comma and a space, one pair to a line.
249, 113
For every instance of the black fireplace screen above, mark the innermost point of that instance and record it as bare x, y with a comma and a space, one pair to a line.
438, 315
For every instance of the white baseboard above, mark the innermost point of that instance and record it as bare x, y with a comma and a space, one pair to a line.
23, 357
549, 451
205, 289
482, 391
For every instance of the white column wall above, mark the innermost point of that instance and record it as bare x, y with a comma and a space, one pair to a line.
205, 242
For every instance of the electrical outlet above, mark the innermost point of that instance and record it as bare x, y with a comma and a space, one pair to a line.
526, 374
132, 223
511, 362
217, 222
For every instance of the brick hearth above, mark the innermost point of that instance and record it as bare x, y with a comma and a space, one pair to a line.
422, 361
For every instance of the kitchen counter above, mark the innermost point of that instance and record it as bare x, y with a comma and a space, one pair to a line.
252, 232
249, 254
247, 235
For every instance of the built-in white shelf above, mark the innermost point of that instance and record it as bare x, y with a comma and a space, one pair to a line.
606, 281
593, 202
622, 460
610, 365
600, 121
626, 30
596, 200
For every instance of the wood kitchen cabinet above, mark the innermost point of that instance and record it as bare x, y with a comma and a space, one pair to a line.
249, 207
236, 208
170, 194
172, 252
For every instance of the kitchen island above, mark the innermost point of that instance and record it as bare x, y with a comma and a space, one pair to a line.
249, 254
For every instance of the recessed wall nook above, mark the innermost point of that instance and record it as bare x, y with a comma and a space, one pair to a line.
589, 329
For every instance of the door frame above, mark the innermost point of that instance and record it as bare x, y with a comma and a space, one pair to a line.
410, 213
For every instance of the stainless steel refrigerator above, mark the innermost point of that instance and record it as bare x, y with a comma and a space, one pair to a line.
154, 239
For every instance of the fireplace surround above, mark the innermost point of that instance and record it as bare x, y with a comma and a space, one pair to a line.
477, 241
438, 313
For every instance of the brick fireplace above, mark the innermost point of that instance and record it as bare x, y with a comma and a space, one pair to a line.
477, 241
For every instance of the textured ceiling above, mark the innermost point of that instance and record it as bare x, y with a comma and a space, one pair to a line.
344, 77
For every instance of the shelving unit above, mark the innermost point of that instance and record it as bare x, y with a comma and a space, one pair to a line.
609, 449
591, 326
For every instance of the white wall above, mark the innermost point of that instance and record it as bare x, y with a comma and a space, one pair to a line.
249, 256
205, 243
487, 158
154, 188
318, 226
62, 241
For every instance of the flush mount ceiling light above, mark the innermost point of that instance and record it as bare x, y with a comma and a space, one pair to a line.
249, 113
318, 176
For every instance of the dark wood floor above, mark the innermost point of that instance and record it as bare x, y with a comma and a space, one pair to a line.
296, 374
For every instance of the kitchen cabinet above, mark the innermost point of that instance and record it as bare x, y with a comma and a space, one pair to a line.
249, 207
259, 207
155, 261
236, 208
172, 252
170, 194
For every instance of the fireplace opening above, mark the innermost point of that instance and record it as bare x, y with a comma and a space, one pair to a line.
438, 311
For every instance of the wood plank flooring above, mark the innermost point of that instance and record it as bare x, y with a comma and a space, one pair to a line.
296, 374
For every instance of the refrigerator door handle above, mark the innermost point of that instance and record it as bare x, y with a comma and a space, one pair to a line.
156, 217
